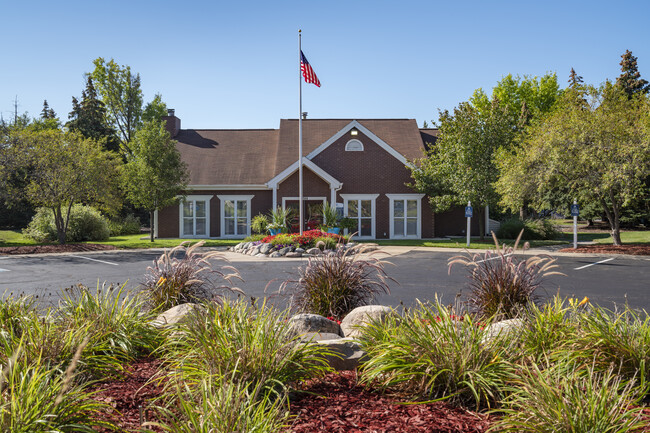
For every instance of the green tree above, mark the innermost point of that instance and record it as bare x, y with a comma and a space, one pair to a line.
154, 174
598, 152
575, 80
89, 118
60, 169
47, 112
630, 79
120, 91
533, 96
461, 167
154, 110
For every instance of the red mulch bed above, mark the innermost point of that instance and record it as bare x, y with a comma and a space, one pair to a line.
634, 249
337, 404
333, 404
67, 248
128, 394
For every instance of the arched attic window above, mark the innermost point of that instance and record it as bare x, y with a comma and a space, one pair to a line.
354, 146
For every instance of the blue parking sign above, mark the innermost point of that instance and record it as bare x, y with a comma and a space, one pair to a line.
468, 211
575, 210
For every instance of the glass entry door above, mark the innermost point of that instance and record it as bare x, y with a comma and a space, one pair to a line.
361, 211
405, 218
195, 218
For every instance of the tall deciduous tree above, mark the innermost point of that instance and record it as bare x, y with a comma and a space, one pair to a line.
61, 169
154, 174
460, 167
120, 91
89, 118
630, 79
598, 152
534, 95
154, 110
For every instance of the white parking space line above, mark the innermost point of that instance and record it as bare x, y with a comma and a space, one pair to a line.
95, 260
4, 270
592, 264
494, 258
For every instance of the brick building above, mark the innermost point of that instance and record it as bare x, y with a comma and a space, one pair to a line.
358, 164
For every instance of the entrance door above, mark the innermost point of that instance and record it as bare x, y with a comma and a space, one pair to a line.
312, 215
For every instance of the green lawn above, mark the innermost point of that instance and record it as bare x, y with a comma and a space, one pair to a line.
9, 238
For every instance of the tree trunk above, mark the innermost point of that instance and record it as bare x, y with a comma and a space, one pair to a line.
480, 213
151, 224
58, 223
614, 221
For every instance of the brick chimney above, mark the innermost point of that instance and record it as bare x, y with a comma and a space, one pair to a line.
172, 123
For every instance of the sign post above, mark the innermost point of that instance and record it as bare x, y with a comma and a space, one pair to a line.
575, 212
468, 215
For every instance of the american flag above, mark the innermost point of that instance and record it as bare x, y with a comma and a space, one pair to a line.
307, 71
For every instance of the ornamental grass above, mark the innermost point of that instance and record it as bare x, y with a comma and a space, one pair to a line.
184, 274
240, 342
335, 283
569, 397
431, 354
501, 284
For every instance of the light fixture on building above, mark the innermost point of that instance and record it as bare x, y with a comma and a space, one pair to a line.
354, 131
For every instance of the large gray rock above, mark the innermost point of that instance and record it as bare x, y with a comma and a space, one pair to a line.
346, 353
303, 323
176, 315
360, 316
503, 329
318, 336
293, 254
266, 248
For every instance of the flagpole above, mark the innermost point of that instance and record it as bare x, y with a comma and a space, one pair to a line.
300, 203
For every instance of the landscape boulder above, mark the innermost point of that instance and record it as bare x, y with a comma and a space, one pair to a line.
346, 353
175, 315
360, 316
303, 323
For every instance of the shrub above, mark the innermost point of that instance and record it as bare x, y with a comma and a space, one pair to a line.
259, 223
433, 354
223, 407
86, 224
566, 397
174, 280
130, 225
533, 229
619, 338
309, 239
549, 329
15, 313
336, 283
34, 398
115, 326
501, 284
242, 343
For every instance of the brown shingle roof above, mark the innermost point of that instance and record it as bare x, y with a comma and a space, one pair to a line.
228, 157
253, 157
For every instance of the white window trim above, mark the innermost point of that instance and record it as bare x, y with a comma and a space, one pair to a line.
350, 148
373, 198
187, 198
222, 211
395, 197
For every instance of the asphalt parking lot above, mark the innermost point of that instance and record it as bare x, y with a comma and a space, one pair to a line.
420, 273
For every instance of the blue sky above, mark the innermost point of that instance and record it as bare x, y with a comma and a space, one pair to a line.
228, 64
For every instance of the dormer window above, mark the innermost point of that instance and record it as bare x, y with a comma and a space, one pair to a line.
354, 146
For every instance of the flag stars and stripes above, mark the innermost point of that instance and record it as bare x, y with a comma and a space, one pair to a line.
307, 71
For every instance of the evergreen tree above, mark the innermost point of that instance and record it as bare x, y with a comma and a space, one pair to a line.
575, 80
47, 112
88, 117
630, 79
